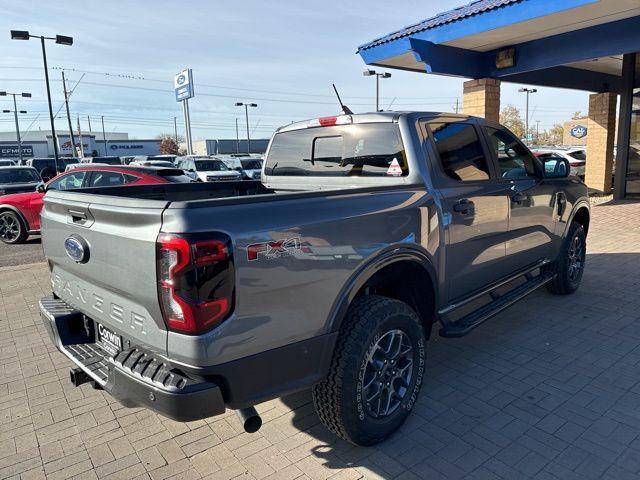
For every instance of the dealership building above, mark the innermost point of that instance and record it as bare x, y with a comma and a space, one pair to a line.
586, 45
40, 144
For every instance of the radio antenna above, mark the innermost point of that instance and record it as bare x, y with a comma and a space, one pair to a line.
345, 110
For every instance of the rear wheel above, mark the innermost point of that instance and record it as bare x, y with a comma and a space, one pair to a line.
376, 371
12, 229
569, 266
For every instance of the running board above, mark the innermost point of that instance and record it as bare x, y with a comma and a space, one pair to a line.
463, 326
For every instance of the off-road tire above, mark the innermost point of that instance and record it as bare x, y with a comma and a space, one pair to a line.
21, 234
339, 399
563, 283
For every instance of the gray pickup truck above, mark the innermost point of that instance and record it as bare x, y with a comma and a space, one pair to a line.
364, 232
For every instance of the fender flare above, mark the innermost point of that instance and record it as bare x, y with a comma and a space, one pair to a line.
577, 206
383, 259
18, 212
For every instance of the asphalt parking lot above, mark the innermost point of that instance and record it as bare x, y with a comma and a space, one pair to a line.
548, 389
13, 255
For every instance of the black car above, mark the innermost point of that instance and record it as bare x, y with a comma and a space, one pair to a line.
46, 167
18, 179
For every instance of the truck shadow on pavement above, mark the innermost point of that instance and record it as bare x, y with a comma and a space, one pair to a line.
549, 387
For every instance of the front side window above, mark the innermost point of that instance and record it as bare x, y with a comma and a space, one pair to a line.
368, 150
68, 181
514, 159
460, 151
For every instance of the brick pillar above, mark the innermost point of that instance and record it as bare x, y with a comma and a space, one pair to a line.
481, 98
601, 128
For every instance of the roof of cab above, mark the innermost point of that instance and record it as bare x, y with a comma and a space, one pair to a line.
369, 117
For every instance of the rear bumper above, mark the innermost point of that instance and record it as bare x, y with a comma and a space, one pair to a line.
134, 376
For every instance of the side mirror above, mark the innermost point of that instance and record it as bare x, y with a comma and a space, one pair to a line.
556, 168
41, 188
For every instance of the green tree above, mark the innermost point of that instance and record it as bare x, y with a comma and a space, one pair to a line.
510, 118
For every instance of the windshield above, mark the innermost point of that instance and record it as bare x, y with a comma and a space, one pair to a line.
107, 160
21, 175
251, 164
210, 166
373, 149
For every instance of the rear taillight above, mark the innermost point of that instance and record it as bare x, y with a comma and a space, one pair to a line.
576, 163
195, 280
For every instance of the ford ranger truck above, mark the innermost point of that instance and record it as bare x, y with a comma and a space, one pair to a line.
329, 273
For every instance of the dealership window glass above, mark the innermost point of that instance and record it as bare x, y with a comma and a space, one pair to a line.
460, 151
68, 181
633, 167
368, 150
106, 179
514, 159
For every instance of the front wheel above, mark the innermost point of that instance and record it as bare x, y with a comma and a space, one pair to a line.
12, 229
376, 372
569, 266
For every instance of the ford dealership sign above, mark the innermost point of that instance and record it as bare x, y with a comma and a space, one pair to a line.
578, 131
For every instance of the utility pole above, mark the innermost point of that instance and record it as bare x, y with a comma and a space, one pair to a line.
457, 104
526, 122
80, 135
538, 131
89, 122
104, 138
66, 104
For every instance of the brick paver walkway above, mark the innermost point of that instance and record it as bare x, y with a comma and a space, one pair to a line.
550, 388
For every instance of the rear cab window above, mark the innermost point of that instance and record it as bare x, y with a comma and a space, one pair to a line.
353, 150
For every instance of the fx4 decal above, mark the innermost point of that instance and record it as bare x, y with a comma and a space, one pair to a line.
275, 249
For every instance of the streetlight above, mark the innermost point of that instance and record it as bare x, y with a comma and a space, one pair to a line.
526, 120
371, 73
61, 40
15, 112
246, 114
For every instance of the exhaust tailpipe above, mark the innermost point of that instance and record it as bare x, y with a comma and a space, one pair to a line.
250, 419
78, 377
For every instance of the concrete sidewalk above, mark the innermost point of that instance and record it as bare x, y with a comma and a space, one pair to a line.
548, 389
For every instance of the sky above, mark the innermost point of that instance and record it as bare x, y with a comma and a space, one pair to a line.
282, 55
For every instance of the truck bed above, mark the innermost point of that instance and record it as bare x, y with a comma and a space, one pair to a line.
182, 192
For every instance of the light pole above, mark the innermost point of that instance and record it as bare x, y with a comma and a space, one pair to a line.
371, 73
246, 114
526, 120
15, 112
61, 40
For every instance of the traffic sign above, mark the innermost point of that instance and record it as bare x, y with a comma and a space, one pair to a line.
183, 85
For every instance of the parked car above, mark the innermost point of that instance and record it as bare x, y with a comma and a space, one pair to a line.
249, 167
576, 156
46, 167
367, 231
152, 163
20, 212
15, 179
103, 160
207, 169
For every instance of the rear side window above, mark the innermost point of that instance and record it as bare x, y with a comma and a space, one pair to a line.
578, 155
106, 179
373, 150
461, 154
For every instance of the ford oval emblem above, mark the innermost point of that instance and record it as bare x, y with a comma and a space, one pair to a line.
77, 249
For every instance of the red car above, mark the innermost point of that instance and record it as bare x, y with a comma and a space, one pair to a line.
20, 213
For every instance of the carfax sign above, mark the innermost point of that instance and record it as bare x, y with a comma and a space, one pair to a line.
183, 85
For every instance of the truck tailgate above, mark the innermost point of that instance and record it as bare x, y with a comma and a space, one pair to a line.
114, 283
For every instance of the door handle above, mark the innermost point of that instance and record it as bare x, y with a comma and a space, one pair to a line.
518, 197
464, 207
